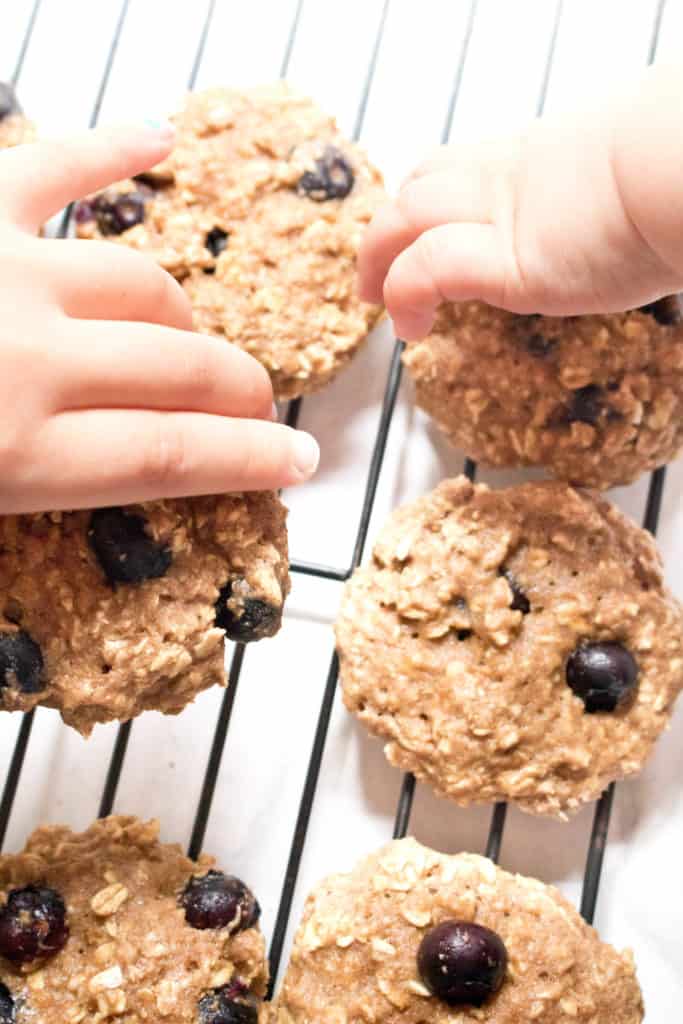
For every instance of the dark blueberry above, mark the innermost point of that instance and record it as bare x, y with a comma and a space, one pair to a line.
666, 311
32, 924
7, 1009
123, 547
604, 676
216, 241
21, 662
116, 213
252, 620
8, 101
586, 404
83, 212
231, 1004
332, 178
539, 345
462, 963
216, 900
520, 602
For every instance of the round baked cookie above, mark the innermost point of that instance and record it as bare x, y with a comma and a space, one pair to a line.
512, 645
259, 211
355, 955
14, 127
109, 613
598, 400
111, 925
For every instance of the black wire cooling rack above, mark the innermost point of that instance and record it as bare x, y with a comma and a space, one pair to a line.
599, 833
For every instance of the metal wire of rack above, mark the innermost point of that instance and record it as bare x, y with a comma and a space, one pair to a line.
599, 834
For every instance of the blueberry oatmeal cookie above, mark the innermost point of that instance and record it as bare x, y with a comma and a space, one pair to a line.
259, 212
111, 925
512, 645
108, 613
14, 127
596, 399
411, 935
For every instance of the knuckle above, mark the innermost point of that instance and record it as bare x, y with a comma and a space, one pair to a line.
170, 298
200, 374
429, 255
259, 390
164, 463
391, 290
405, 200
163, 298
10, 449
158, 289
435, 158
247, 464
18, 438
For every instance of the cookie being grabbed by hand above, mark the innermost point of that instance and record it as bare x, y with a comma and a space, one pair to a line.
259, 213
108, 613
597, 400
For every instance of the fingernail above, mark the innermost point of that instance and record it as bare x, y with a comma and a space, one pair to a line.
305, 454
163, 128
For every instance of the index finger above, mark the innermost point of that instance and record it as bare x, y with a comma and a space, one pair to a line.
39, 178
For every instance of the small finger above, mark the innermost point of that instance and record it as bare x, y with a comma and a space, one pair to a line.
98, 281
440, 159
110, 457
452, 262
421, 205
388, 233
143, 366
38, 179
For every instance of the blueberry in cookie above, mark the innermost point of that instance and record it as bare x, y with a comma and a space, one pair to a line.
517, 644
411, 935
106, 614
596, 400
258, 212
93, 927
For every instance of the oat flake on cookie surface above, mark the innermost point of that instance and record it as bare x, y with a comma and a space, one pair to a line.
598, 400
110, 926
109, 613
354, 959
515, 645
259, 212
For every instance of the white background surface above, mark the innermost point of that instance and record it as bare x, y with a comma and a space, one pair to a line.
265, 758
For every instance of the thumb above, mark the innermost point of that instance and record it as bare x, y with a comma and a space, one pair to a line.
38, 179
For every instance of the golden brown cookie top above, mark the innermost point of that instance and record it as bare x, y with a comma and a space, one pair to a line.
598, 400
259, 211
355, 953
514, 644
105, 614
124, 950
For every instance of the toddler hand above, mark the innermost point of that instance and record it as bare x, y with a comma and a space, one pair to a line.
106, 395
582, 214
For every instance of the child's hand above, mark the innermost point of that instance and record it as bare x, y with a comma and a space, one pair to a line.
106, 396
583, 214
